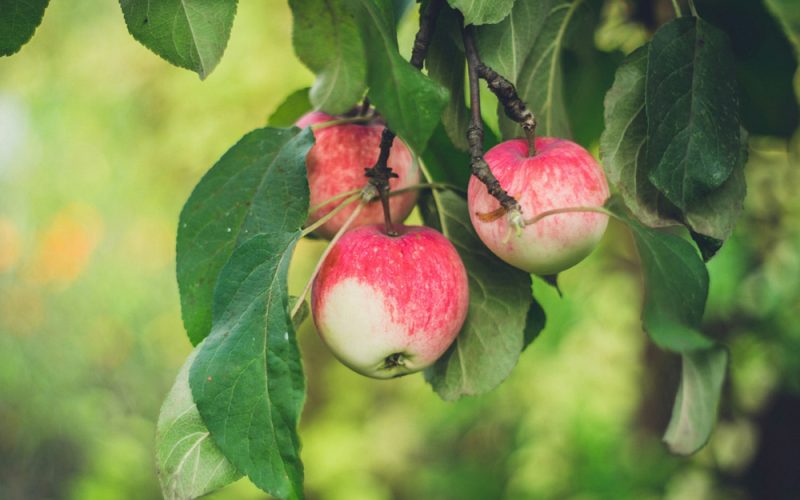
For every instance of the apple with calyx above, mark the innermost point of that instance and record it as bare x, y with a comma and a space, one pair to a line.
336, 164
387, 305
561, 175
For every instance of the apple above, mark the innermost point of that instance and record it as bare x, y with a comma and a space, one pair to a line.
560, 175
387, 305
336, 164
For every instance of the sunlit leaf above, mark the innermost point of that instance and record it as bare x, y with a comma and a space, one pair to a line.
248, 378
540, 82
189, 463
482, 11
18, 21
327, 39
291, 109
258, 186
446, 65
191, 34
410, 102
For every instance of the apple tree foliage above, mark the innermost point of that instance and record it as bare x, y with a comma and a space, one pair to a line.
672, 140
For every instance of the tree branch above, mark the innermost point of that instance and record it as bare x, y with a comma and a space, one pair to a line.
480, 168
380, 173
514, 106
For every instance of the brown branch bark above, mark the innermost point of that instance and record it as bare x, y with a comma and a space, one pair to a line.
380, 173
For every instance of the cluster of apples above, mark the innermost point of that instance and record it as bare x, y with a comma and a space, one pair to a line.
389, 305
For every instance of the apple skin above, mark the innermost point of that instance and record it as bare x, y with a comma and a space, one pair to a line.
562, 174
378, 296
336, 165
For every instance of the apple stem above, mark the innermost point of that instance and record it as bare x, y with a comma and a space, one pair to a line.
342, 230
568, 210
380, 173
480, 168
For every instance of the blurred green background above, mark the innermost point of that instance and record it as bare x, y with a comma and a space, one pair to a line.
101, 143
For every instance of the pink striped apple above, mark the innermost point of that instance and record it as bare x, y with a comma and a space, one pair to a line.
336, 165
390, 305
560, 175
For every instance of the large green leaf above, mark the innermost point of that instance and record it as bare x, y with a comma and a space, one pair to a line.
695, 409
291, 109
18, 21
505, 46
326, 38
540, 81
258, 186
446, 65
482, 11
676, 288
692, 110
189, 463
623, 147
248, 378
676, 284
410, 102
492, 338
191, 34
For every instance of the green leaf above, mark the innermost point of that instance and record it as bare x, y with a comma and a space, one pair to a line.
191, 34
326, 38
676, 284
18, 21
540, 82
189, 463
623, 144
258, 186
291, 109
444, 161
715, 214
534, 323
446, 65
491, 340
623, 147
692, 110
676, 288
302, 313
505, 46
248, 378
410, 102
695, 409
788, 13
482, 11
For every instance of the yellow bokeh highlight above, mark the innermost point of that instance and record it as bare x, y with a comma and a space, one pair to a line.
66, 245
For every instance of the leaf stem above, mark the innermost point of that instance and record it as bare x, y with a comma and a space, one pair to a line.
302, 297
693, 8
428, 185
330, 214
677, 8
332, 199
568, 210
